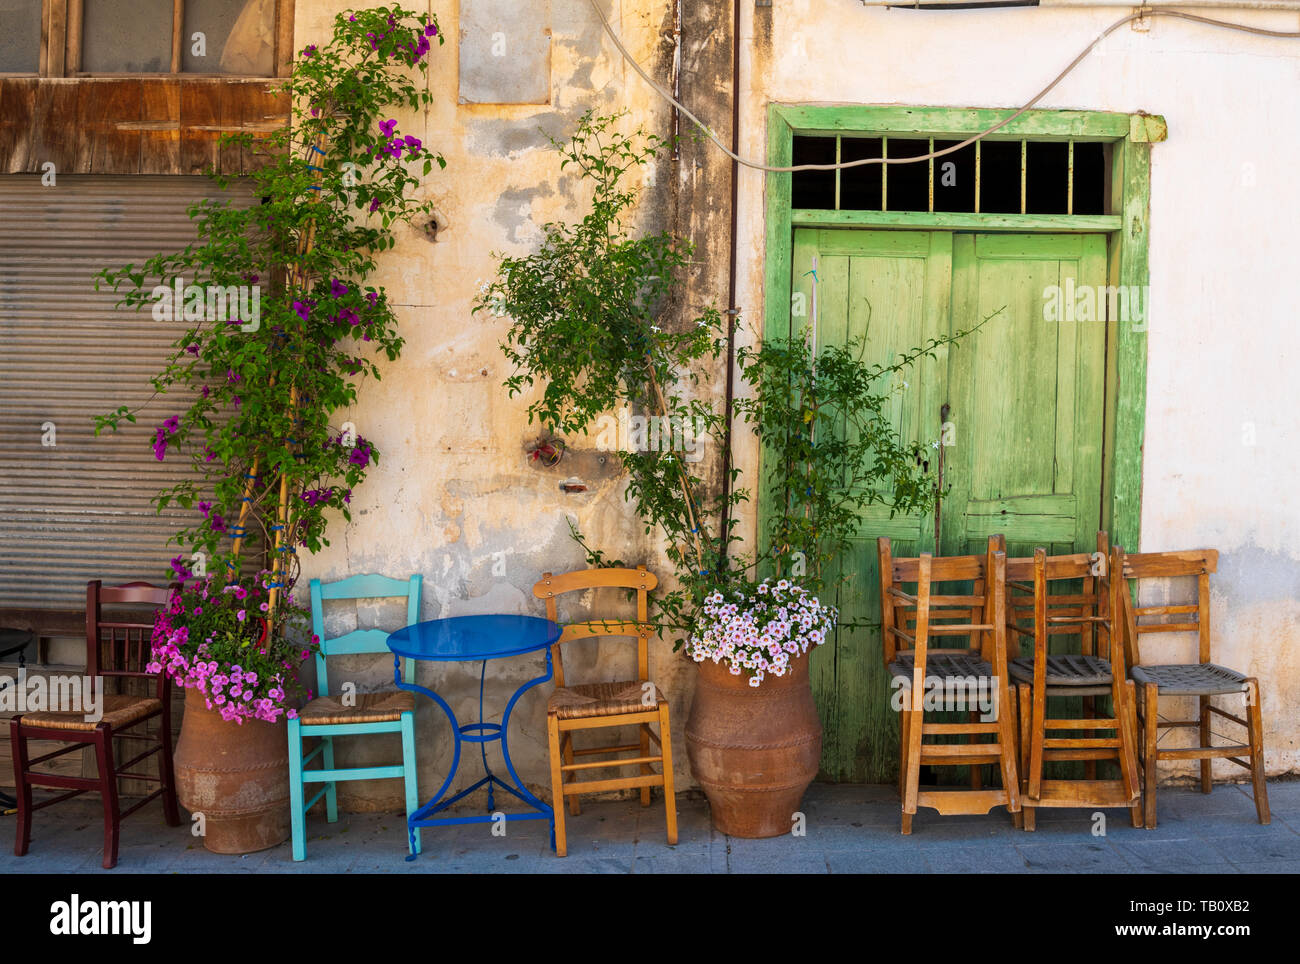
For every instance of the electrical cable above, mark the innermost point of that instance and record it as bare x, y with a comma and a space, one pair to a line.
1146, 12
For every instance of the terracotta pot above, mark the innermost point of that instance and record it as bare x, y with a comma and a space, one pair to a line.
236, 775
754, 750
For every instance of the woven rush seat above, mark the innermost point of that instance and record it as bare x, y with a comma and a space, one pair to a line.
602, 699
1064, 670
1195, 679
119, 711
942, 666
382, 707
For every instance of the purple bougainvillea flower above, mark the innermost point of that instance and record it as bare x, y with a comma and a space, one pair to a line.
178, 567
237, 402
159, 445
301, 309
172, 425
217, 523
205, 508
350, 316
192, 350
309, 51
386, 127
374, 205
232, 376
372, 297
206, 391
208, 453
352, 19
337, 288
431, 31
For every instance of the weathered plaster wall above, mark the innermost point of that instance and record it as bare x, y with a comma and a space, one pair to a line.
1221, 457
455, 496
456, 499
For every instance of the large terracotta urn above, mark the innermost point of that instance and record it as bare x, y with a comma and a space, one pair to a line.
753, 749
236, 776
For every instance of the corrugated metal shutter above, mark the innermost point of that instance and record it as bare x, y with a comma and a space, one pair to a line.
80, 509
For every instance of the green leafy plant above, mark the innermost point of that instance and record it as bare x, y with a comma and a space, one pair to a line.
586, 331
255, 387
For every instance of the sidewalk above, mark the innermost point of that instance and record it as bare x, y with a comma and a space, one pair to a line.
850, 829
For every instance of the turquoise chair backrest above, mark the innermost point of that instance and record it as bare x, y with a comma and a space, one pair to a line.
368, 586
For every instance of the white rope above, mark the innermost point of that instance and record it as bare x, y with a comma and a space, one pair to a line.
1289, 34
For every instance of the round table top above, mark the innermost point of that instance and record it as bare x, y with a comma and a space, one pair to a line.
458, 638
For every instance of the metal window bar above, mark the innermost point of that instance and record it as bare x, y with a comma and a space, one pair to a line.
931, 207
1069, 180
884, 174
978, 152
838, 158
1024, 171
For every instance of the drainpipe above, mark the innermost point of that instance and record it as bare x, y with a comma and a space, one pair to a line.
731, 283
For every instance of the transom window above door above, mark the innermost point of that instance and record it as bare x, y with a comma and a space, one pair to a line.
71, 38
991, 176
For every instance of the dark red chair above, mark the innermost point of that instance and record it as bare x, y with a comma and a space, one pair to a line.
118, 649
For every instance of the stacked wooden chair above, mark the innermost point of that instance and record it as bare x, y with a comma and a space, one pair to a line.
1202, 680
575, 707
911, 623
1072, 600
116, 647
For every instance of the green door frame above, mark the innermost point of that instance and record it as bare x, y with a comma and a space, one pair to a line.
1126, 225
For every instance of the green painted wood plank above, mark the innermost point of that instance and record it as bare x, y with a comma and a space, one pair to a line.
946, 121
957, 221
1030, 519
1131, 349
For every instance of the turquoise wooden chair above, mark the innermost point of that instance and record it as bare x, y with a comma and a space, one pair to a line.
328, 716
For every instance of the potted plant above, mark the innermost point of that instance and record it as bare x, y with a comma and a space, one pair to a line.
235, 657
258, 385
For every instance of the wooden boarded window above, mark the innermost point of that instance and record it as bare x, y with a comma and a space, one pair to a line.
82, 38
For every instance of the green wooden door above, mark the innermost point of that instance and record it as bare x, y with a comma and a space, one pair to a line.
1025, 404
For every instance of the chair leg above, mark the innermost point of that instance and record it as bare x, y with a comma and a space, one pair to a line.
1007, 749
976, 770
171, 810
1255, 717
331, 789
904, 722
1089, 713
22, 789
297, 815
557, 784
915, 728
646, 771
1017, 815
1129, 745
1027, 820
566, 744
1150, 738
670, 797
1207, 771
410, 776
108, 788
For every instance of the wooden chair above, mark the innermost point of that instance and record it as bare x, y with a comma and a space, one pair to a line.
388, 710
119, 648
1202, 679
1095, 668
587, 706
908, 622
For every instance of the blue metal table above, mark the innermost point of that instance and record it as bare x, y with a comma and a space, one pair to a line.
468, 639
